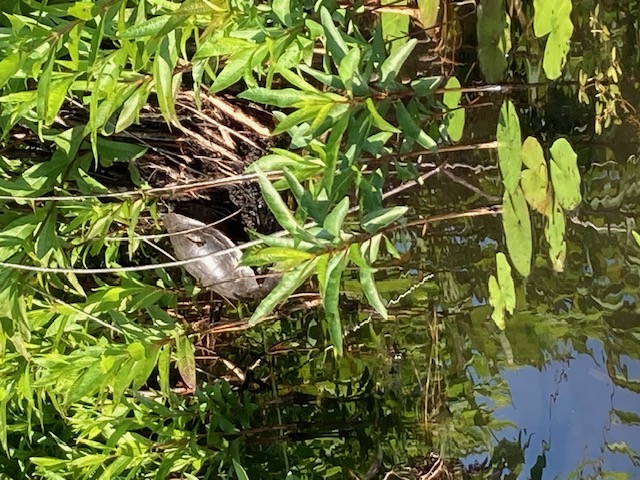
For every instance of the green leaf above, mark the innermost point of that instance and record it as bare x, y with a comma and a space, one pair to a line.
273, 199
186, 362
565, 175
335, 43
130, 112
367, 281
636, 237
146, 28
374, 221
391, 66
509, 146
377, 119
271, 255
535, 179
88, 383
349, 67
428, 12
554, 232
333, 150
517, 230
282, 98
394, 26
494, 39
240, 471
411, 129
456, 115
233, 70
9, 66
163, 65
502, 295
331, 297
287, 285
82, 10
333, 222
553, 17
299, 116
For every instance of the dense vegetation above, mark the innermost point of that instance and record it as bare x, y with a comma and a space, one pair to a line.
110, 366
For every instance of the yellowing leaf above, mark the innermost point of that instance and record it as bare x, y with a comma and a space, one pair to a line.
565, 175
535, 179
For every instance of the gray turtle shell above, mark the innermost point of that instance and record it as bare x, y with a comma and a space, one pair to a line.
223, 273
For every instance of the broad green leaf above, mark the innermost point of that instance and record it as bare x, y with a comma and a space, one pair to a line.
411, 129
535, 179
377, 120
517, 230
391, 66
565, 175
288, 284
87, 383
494, 39
509, 145
636, 237
273, 199
554, 232
331, 297
82, 10
553, 17
374, 221
456, 116
333, 222
335, 43
186, 361
394, 26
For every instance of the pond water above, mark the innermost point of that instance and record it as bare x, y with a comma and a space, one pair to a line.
556, 395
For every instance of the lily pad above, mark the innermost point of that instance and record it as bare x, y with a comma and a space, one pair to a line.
517, 230
456, 115
554, 233
502, 294
565, 175
535, 179
494, 39
509, 145
553, 17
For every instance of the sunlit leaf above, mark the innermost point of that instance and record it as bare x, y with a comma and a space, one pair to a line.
456, 116
553, 17
186, 362
502, 295
554, 232
509, 144
334, 220
330, 299
517, 230
374, 221
391, 66
565, 175
273, 199
535, 179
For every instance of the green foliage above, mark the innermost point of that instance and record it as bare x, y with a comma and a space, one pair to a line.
553, 18
502, 295
494, 39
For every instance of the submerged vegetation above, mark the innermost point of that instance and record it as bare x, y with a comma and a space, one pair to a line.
114, 113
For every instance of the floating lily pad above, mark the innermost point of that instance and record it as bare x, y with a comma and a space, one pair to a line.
494, 39
517, 230
509, 145
502, 294
553, 17
456, 116
565, 175
554, 233
535, 179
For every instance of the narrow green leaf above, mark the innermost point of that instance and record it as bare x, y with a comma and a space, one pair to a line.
9, 66
456, 115
392, 64
282, 98
299, 116
283, 215
163, 65
331, 298
333, 222
288, 284
374, 221
377, 119
240, 471
186, 361
335, 43
411, 129
333, 149
554, 233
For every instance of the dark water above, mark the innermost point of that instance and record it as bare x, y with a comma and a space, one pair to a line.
556, 395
